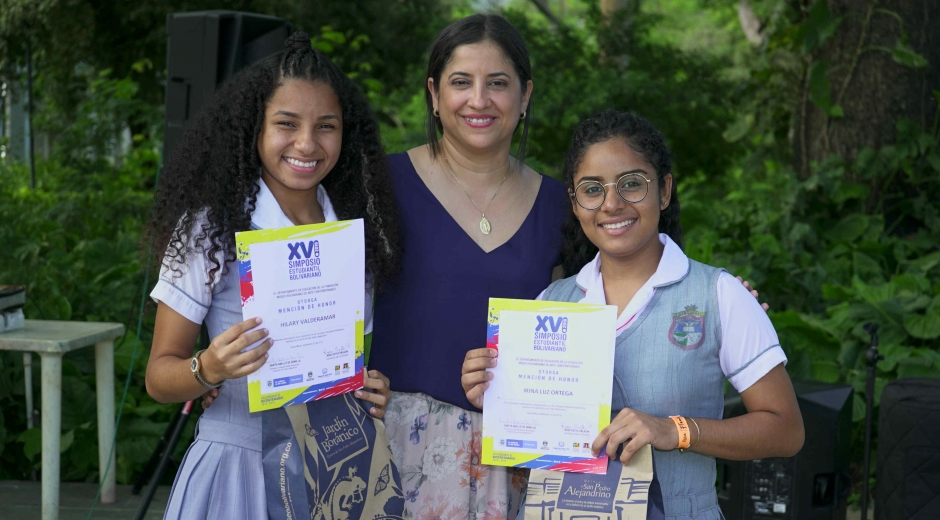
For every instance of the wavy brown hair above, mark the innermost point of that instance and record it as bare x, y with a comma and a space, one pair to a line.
213, 173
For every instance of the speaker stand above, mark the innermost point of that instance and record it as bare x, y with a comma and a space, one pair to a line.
872, 357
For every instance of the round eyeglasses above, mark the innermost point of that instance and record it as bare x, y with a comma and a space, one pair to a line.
632, 187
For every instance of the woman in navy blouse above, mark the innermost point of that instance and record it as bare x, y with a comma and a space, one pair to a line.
476, 223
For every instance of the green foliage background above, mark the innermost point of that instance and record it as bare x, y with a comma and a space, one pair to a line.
854, 241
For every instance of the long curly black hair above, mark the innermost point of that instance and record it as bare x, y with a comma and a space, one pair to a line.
645, 140
213, 173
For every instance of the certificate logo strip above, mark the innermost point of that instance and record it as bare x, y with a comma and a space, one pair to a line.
280, 398
596, 465
259, 402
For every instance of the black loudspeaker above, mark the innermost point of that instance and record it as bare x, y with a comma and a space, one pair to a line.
204, 49
812, 485
908, 468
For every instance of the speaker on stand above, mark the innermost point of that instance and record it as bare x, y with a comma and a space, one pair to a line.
814, 484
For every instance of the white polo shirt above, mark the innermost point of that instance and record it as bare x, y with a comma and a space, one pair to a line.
749, 345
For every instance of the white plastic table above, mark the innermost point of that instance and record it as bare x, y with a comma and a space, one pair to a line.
51, 340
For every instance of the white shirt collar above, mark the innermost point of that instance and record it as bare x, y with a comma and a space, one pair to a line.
673, 266
269, 215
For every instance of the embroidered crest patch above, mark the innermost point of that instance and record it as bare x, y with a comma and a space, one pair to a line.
688, 328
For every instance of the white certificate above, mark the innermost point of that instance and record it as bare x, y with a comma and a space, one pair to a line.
307, 284
551, 391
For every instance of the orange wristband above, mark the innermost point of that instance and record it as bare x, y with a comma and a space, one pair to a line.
685, 436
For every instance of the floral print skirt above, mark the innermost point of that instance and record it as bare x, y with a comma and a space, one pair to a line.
437, 447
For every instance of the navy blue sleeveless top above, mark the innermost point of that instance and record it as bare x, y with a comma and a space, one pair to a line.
427, 319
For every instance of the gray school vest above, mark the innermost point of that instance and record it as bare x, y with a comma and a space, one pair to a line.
667, 364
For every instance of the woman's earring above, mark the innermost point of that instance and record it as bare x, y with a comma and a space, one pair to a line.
437, 114
523, 115
664, 204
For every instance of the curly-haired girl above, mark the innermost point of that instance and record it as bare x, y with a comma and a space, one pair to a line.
264, 153
683, 327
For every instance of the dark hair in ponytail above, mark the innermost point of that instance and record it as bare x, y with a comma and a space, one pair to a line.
214, 171
644, 140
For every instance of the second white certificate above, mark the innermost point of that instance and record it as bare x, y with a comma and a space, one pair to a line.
551, 391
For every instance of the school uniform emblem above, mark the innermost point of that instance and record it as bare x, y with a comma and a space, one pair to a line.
688, 328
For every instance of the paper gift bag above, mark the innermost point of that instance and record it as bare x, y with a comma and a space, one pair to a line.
329, 460
624, 493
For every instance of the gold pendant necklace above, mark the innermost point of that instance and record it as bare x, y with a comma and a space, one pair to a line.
485, 227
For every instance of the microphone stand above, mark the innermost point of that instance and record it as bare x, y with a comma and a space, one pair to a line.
872, 357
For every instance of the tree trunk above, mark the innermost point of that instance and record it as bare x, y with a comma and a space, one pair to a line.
873, 90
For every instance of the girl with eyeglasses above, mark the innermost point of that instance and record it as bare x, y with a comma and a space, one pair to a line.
683, 327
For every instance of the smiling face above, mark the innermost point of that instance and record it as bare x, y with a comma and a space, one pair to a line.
618, 228
302, 134
480, 97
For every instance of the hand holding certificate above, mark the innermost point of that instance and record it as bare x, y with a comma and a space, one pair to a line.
307, 283
551, 390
